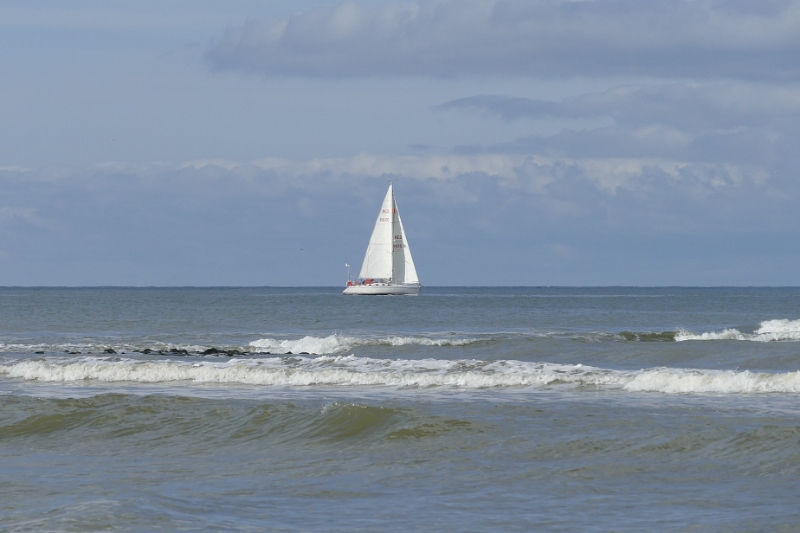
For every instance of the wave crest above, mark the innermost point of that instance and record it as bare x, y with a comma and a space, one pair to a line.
355, 371
333, 344
297, 371
768, 331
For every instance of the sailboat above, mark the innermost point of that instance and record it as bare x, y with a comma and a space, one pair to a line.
388, 267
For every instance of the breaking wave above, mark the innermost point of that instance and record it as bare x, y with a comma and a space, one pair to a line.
767, 331
352, 371
334, 344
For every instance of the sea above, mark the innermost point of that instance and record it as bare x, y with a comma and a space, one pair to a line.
461, 409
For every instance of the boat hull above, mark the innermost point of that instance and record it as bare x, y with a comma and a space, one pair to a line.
382, 290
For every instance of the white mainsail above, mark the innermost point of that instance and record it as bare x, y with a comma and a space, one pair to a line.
388, 256
378, 259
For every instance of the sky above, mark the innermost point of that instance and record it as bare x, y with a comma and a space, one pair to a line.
530, 142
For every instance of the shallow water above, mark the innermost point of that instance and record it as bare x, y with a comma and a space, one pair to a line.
485, 409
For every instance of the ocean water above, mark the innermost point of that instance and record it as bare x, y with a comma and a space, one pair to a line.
461, 409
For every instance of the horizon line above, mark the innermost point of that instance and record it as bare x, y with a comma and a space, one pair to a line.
424, 286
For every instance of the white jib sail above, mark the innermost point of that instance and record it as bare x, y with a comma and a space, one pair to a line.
410, 271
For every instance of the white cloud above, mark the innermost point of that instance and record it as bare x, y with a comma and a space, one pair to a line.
524, 173
667, 38
227, 222
529, 173
435, 166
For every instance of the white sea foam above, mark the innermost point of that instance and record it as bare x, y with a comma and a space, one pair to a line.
354, 371
325, 370
334, 344
711, 381
769, 330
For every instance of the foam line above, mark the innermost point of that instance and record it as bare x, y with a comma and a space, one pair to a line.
356, 371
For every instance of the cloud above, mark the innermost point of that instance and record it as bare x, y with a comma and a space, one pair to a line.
12, 215
753, 147
679, 105
436, 166
444, 174
704, 39
520, 218
719, 124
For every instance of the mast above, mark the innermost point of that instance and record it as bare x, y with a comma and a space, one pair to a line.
394, 210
